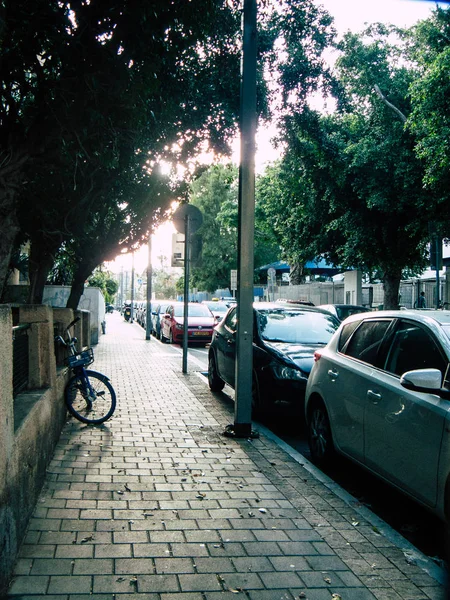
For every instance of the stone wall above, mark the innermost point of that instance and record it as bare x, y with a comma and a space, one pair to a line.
30, 424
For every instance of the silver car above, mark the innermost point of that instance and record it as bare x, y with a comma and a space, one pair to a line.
379, 393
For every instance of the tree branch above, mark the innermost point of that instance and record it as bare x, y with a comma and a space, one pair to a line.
389, 104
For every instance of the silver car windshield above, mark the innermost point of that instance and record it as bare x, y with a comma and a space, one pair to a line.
296, 327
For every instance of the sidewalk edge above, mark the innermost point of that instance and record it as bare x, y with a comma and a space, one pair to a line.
409, 550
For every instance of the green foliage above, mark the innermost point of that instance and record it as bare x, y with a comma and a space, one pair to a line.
94, 100
164, 284
350, 184
215, 193
429, 120
106, 282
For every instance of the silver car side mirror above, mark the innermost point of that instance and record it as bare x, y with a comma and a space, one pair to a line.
426, 381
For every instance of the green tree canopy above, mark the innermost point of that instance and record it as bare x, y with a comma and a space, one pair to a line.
98, 96
350, 185
429, 119
215, 193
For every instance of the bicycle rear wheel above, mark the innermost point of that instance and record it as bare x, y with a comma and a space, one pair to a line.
95, 405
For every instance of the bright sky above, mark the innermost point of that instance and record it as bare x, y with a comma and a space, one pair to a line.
353, 14
348, 14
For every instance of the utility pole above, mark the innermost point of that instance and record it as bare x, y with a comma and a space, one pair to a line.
148, 320
132, 289
246, 216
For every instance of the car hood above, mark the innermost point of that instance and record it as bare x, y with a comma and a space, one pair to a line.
302, 355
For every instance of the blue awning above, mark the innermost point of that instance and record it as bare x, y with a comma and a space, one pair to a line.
317, 267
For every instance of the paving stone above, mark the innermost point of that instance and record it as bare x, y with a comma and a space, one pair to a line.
37, 550
112, 550
97, 566
74, 584
47, 566
281, 579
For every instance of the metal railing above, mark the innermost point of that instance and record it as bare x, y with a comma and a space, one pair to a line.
20, 358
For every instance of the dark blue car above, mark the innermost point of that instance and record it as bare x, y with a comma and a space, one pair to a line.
284, 342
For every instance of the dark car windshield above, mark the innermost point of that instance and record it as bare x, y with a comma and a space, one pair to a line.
217, 306
194, 310
296, 326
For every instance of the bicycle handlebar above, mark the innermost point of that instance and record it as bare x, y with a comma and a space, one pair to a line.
73, 323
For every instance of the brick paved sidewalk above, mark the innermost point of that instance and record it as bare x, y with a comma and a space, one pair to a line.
157, 504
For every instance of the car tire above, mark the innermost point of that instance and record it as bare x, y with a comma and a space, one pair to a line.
216, 384
170, 336
163, 338
320, 438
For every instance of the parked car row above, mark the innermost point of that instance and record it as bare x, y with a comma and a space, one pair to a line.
168, 321
374, 387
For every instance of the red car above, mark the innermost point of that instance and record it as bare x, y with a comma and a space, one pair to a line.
201, 323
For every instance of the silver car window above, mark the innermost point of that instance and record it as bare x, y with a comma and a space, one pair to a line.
231, 320
366, 341
413, 348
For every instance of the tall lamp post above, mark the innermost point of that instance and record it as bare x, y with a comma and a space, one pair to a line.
148, 320
242, 426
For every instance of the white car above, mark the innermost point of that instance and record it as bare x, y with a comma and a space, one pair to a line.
379, 393
218, 309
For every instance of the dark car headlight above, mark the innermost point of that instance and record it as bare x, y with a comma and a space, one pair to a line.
283, 372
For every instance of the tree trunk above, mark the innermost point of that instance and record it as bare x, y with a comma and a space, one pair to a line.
41, 260
79, 278
391, 285
9, 225
8, 232
296, 275
10, 180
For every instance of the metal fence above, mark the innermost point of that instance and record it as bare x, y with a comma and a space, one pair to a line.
20, 358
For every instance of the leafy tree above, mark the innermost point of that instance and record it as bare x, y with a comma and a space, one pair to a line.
106, 282
165, 284
215, 193
429, 119
350, 185
115, 88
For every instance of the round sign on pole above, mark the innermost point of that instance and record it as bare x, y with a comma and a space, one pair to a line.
194, 215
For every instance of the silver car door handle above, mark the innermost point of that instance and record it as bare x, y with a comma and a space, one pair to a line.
374, 397
333, 374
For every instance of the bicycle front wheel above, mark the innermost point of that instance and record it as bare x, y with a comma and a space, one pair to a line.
91, 399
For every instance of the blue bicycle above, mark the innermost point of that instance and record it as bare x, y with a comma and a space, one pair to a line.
89, 396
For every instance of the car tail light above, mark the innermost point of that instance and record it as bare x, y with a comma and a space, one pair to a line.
317, 356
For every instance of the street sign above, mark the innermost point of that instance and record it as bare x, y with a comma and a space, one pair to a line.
177, 250
194, 215
233, 280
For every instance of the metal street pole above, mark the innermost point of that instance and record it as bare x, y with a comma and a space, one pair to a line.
132, 289
438, 249
246, 218
187, 250
148, 319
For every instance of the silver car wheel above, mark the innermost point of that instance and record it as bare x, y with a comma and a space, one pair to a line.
319, 435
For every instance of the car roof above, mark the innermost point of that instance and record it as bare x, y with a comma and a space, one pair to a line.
290, 307
441, 317
345, 306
